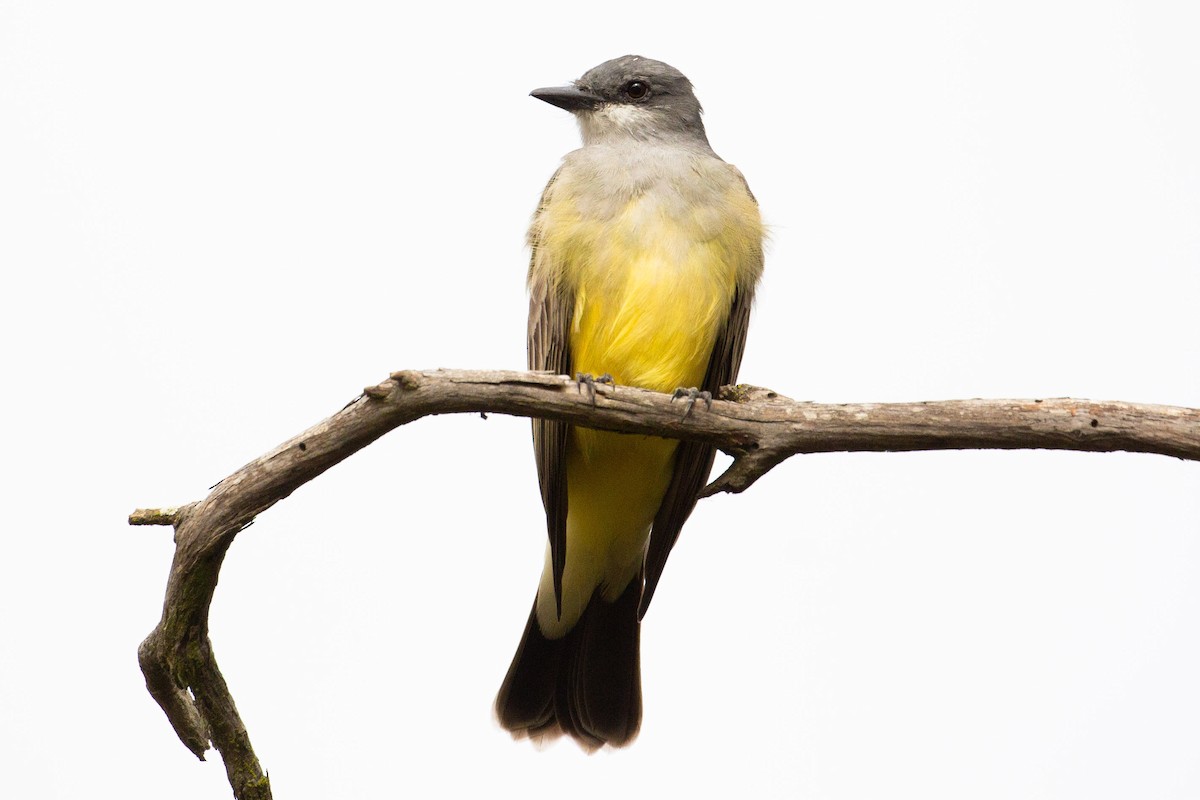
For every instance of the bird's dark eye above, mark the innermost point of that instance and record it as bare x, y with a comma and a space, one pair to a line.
636, 89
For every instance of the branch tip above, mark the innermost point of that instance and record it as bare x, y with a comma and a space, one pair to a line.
154, 516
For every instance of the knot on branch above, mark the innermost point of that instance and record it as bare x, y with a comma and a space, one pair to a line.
747, 393
407, 379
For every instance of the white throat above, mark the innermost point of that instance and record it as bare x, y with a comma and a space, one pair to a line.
617, 120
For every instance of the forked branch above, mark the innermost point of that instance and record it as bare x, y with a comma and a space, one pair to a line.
756, 426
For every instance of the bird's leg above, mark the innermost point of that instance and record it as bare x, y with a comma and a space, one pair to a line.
587, 379
693, 394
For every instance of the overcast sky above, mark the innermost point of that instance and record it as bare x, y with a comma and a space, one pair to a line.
219, 221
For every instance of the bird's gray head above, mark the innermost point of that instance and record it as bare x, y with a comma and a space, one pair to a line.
631, 98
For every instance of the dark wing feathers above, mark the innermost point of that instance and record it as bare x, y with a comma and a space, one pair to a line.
550, 310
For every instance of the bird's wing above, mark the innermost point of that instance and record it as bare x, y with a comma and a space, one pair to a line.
693, 460
550, 310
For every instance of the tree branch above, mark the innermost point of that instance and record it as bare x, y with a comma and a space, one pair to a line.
758, 427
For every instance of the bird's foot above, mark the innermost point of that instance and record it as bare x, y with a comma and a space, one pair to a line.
590, 381
693, 394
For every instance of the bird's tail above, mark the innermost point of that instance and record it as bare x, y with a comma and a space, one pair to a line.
586, 684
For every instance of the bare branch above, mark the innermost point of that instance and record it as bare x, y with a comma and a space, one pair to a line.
759, 428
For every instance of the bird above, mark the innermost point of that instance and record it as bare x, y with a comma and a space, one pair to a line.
645, 251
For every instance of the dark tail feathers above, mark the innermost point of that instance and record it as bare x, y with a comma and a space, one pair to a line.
586, 684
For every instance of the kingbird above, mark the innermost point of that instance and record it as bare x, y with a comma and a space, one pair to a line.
646, 249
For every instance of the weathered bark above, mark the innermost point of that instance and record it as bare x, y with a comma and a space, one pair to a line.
756, 426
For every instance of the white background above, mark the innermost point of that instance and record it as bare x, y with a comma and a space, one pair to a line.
218, 221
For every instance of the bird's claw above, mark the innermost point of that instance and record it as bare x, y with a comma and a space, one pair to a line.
590, 381
693, 394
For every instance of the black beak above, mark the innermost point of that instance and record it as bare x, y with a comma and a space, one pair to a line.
572, 98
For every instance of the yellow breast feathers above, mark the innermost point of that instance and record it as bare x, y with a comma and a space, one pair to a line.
652, 273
